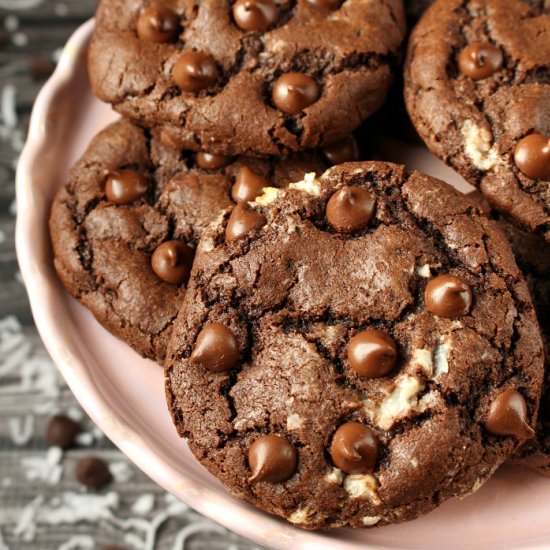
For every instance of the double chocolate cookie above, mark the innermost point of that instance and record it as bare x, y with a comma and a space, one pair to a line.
125, 226
415, 8
533, 257
354, 350
248, 77
478, 92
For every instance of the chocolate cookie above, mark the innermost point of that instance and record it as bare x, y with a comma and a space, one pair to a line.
248, 77
363, 348
125, 226
477, 90
415, 8
532, 255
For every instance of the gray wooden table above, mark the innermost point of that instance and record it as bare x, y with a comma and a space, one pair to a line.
41, 504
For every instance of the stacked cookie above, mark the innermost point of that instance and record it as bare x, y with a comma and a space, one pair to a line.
349, 346
477, 90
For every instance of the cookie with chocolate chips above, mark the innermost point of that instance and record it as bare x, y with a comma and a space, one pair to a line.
532, 255
352, 355
254, 77
125, 226
477, 90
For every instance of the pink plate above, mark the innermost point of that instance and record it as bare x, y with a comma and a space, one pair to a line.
124, 394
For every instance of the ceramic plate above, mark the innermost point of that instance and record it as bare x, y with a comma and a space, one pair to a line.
124, 393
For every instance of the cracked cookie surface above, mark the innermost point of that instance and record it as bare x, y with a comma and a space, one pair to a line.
216, 86
104, 240
533, 257
364, 350
477, 88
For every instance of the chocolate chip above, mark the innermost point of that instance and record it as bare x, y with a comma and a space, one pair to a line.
255, 15
158, 24
209, 161
124, 186
372, 353
345, 150
216, 349
272, 458
93, 472
248, 185
293, 92
172, 262
195, 71
61, 431
354, 448
326, 4
508, 416
532, 156
350, 209
448, 296
478, 61
242, 221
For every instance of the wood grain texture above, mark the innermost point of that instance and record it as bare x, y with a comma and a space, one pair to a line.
31, 33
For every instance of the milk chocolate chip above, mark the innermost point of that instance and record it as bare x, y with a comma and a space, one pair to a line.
172, 262
293, 92
248, 185
372, 353
350, 209
354, 448
124, 186
508, 416
210, 161
195, 71
448, 296
532, 156
93, 472
242, 221
478, 61
158, 24
255, 15
62, 431
272, 458
216, 349
345, 150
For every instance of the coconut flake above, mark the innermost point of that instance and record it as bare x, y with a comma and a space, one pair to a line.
144, 504
78, 542
121, 471
46, 468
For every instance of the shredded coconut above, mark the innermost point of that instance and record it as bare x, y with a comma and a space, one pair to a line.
144, 504
121, 471
46, 468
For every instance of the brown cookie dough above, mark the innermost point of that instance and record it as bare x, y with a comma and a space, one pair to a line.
125, 226
363, 351
264, 80
477, 90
